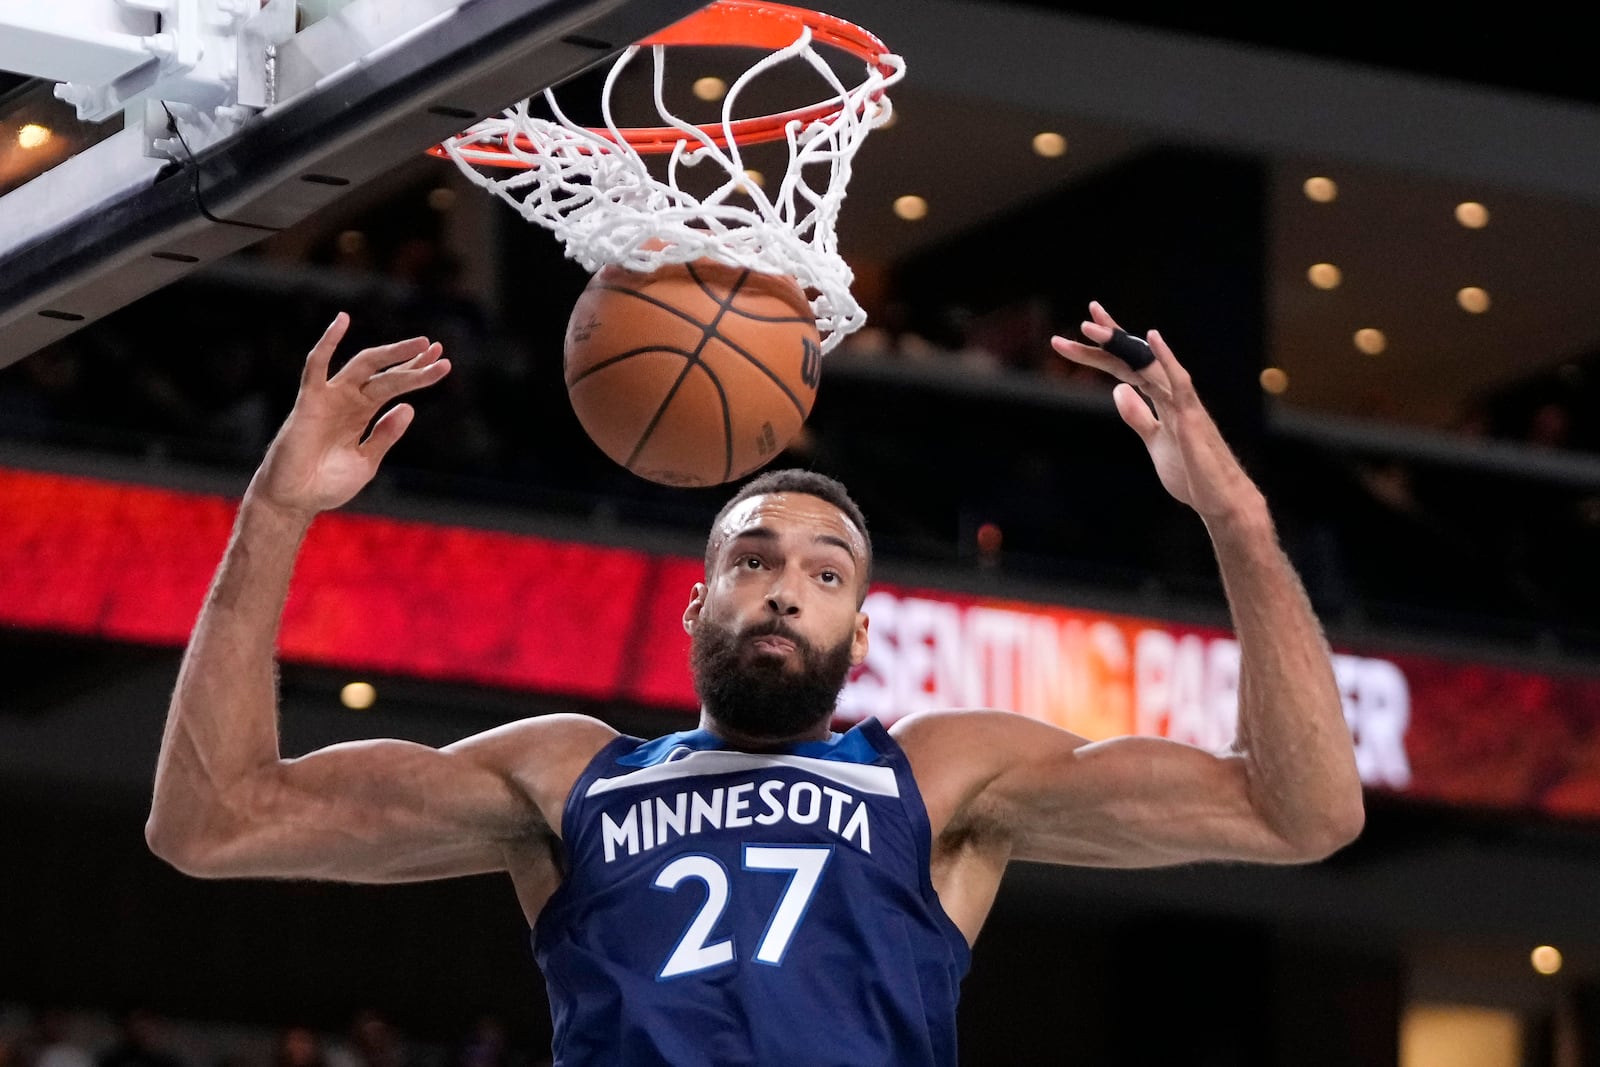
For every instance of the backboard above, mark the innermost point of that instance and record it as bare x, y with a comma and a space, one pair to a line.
120, 189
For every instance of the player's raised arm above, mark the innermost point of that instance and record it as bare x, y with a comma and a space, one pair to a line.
226, 804
1288, 791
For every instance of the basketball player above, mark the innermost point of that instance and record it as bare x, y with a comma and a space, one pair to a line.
759, 890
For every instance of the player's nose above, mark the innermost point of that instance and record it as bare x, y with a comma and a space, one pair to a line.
782, 604
781, 598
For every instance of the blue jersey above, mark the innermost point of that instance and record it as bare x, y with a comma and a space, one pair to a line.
722, 907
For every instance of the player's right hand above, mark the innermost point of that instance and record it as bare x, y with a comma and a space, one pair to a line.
323, 454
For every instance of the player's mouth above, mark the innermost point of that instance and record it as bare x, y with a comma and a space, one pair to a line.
773, 644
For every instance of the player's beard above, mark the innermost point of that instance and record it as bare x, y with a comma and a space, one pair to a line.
764, 696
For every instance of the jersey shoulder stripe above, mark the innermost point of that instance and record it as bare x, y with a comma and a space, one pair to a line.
880, 781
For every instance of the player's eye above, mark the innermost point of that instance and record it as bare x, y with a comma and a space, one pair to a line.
830, 577
750, 563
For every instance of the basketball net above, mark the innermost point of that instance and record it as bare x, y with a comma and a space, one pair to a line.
593, 189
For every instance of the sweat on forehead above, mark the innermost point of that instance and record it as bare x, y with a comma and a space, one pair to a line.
792, 481
754, 517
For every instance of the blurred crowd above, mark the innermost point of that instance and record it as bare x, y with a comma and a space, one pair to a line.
54, 1036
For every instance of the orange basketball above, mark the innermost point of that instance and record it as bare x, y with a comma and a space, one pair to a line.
695, 374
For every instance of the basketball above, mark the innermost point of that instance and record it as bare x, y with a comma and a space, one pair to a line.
695, 374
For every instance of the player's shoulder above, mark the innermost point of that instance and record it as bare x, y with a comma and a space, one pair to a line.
940, 741
948, 725
543, 739
541, 756
975, 740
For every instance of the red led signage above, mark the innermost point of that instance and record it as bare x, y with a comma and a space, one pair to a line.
459, 604
444, 602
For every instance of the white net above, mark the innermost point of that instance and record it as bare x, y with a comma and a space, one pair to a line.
596, 193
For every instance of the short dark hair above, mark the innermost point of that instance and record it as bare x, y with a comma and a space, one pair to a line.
798, 480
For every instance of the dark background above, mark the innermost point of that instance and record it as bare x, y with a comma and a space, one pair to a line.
1458, 525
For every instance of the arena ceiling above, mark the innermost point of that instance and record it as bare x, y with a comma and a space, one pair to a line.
1410, 117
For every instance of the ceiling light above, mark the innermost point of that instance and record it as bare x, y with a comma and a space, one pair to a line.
1472, 215
1473, 299
351, 241
358, 696
1049, 145
1322, 190
910, 208
1546, 959
1275, 381
710, 88
1371, 341
1325, 275
442, 198
33, 135
756, 178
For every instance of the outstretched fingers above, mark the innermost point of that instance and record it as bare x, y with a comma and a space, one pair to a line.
386, 432
1135, 411
371, 361
1179, 384
1151, 378
1092, 356
316, 369
420, 371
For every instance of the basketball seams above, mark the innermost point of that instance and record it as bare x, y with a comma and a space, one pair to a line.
655, 420
708, 331
677, 312
712, 302
711, 329
750, 316
766, 370
705, 288
727, 419
632, 352
671, 309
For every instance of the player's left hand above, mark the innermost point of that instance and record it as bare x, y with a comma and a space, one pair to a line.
1193, 461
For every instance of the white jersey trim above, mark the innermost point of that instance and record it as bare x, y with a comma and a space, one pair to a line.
863, 778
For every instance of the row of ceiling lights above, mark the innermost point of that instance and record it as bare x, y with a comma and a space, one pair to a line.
1326, 276
1047, 144
912, 208
1471, 298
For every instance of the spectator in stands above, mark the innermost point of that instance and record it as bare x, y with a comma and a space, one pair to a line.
299, 1046
139, 1043
372, 1041
55, 1046
487, 1045
1550, 426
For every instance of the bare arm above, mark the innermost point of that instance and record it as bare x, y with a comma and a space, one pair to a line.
1049, 795
1288, 791
226, 803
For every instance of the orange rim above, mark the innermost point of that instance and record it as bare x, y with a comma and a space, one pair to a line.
740, 23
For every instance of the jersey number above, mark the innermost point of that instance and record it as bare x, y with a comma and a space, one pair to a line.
804, 865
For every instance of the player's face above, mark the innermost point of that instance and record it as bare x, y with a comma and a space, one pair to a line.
775, 626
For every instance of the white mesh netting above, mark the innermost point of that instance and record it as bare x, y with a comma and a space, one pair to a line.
597, 194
